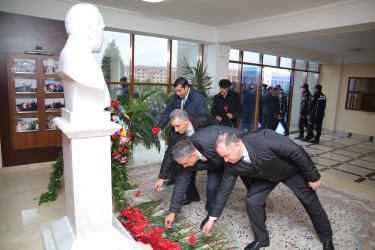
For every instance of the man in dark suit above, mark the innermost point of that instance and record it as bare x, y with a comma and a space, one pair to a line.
186, 98
196, 154
184, 126
226, 106
255, 154
270, 109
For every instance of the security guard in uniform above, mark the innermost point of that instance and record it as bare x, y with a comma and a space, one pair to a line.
315, 114
303, 120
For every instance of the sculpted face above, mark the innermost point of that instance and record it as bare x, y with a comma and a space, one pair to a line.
180, 126
96, 35
232, 153
189, 162
181, 92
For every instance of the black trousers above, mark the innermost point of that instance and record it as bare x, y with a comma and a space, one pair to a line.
269, 122
283, 123
302, 124
259, 191
318, 128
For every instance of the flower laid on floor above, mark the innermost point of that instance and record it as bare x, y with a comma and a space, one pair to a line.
192, 239
136, 224
146, 224
138, 193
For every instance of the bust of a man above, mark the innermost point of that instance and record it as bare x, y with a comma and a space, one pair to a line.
85, 89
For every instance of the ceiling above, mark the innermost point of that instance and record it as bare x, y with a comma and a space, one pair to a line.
223, 13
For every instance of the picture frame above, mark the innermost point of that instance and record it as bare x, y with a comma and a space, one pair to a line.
49, 123
53, 104
53, 86
50, 66
24, 65
26, 105
24, 124
25, 85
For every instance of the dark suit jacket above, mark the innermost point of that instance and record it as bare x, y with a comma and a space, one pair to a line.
274, 158
198, 121
195, 104
270, 105
204, 140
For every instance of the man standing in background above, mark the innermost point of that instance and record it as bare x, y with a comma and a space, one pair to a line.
315, 114
226, 107
283, 109
302, 124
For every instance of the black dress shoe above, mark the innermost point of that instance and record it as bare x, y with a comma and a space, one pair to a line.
328, 245
204, 221
306, 139
255, 245
298, 137
187, 202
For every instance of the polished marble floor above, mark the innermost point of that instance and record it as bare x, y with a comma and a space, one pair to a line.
345, 163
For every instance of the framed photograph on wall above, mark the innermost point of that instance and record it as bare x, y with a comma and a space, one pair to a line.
23, 85
53, 86
27, 124
26, 105
49, 123
24, 65
50, 66
54, 104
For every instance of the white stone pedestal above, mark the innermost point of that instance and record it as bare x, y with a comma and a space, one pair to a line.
88, 188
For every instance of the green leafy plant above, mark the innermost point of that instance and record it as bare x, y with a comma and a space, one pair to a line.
55, 180
198, 77
142, 121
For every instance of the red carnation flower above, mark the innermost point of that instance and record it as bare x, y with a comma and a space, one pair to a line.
114, 137
226, 108
138, 193
192, 239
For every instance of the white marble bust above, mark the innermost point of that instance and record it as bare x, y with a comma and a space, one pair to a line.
85, 89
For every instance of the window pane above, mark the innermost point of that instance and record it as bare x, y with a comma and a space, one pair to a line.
285, 62
312, 80
300, 64
313, 66
354, 101
234, 74
120, 93
181, 50
250, 57
249, 90
269, 60
150, 59
158, 105
114, 56
234, 55
299, 79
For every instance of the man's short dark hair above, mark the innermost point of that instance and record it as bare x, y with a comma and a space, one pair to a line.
225, 83
183, 150
181, 81
277, 87
269, 88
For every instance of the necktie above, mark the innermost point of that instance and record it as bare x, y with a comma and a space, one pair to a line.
246, 162
182, 103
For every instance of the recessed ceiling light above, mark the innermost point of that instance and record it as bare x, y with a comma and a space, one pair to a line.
153, 1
